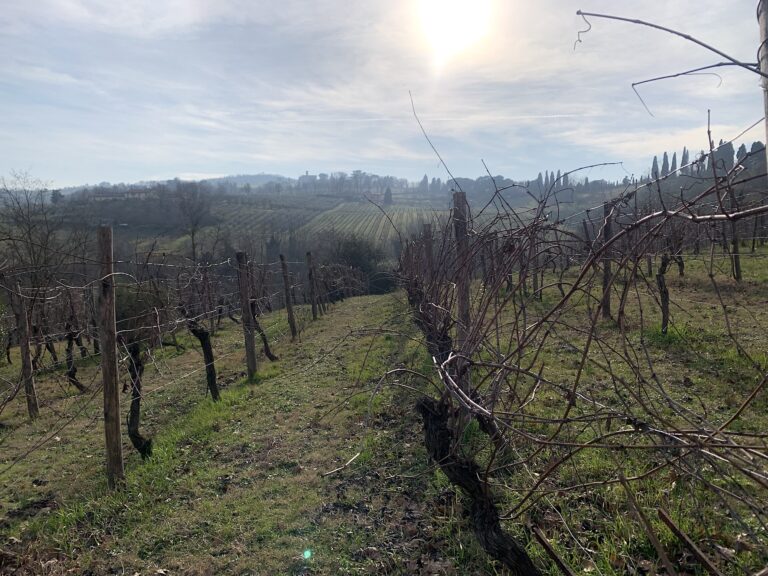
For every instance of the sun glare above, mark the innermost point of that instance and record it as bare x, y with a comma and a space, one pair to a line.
453, 26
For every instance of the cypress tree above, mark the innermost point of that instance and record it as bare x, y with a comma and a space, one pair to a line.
684, 161
741, 153
665, 165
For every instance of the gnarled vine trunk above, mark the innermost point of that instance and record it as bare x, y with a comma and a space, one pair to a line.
136, 371
466, 474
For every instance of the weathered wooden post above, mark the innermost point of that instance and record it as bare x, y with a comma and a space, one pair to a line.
587, 238
311, 282
322, 298
27, 374
210, 311
463, 265
108, 343
605, 303
462, 271
247, 313
288, 300
663, 292
762, 55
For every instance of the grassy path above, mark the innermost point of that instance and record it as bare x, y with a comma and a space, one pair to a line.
235, 487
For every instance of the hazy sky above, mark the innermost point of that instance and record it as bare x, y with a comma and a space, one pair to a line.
127, 90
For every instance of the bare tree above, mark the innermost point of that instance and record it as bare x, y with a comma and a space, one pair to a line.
194, 204
37, 252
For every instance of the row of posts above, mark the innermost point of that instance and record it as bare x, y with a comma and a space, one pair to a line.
108, 341
115, 472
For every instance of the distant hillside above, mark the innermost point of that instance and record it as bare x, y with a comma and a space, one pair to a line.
253, 179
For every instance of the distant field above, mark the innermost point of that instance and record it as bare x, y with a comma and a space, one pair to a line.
253, 219
369, 221
262, 219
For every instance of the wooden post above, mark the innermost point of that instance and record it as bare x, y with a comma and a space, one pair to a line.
587, 238
247, 313
605, 304
534, 265
663, 292
108, 342
27, 374
311, 282
735, 256
254, 288
288, 300
762, 55
92, 322
210, 311
321, 307
463, 267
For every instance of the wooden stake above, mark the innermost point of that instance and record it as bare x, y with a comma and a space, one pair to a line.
647, 527
108, 342
462, 279
27, 374
587, 238
311, 282
288, 300
208, 300
463, 267
762, 55
551, 552
605, 304
700, 556
247, 313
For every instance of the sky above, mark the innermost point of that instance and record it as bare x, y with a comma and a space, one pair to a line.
132, 90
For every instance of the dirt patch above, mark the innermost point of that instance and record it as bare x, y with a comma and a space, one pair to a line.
30, 509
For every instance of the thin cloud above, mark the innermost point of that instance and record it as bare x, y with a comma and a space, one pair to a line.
197, 86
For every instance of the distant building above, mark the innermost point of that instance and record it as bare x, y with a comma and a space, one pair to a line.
104, 194
307, 181
139, 194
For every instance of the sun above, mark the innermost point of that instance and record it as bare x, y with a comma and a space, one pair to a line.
453, 26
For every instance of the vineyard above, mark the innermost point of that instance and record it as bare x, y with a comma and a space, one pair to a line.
382, 224
591, 393
525, 383
243, 215
308, 219
234, 486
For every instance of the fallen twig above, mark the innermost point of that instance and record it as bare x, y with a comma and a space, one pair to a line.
341, 467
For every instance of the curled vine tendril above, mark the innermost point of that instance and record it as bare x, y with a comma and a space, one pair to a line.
580, 32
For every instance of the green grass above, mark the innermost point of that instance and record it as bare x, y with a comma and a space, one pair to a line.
237, 486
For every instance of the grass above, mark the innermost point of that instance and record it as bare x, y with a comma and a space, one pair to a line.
700, 367
232, 487
237, 486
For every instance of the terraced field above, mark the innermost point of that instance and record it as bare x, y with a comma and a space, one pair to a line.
369, 221
267, 217
258, 218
